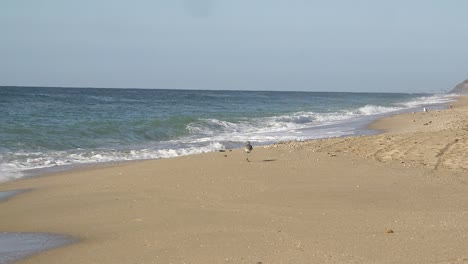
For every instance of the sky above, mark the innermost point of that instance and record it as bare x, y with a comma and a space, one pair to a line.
300, 45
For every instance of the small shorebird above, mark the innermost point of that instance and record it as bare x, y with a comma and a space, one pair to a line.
248, 148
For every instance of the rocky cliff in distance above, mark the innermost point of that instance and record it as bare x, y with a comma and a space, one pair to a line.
461, 88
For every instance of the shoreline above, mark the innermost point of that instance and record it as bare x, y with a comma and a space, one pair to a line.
364, 128
16, 246
201, 194
5, 195
353, 124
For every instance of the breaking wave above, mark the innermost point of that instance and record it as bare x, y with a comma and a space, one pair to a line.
194, 122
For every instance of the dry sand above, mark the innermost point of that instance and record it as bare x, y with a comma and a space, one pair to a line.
397, 197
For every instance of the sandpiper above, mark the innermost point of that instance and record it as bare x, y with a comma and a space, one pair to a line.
248, 148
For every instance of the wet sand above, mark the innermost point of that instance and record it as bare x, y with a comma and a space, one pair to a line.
396, 197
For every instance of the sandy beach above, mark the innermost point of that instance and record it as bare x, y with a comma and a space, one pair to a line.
397, 197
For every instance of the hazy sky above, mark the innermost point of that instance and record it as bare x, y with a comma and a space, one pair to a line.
359, 45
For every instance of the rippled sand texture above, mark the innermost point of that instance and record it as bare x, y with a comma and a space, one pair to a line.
436, 139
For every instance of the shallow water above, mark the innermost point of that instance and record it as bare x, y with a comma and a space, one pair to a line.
14, 246
7, 194
52, 127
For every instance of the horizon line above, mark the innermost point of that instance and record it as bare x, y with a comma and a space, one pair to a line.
195, 89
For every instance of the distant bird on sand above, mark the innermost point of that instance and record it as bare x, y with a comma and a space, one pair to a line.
248, 148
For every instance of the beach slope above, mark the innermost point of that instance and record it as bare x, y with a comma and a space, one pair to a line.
396, 197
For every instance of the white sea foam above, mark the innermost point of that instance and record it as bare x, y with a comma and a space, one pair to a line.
212, 134
291, 126
430, 100
376, 110
14, 165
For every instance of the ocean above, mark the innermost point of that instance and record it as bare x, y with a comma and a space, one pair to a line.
43, 127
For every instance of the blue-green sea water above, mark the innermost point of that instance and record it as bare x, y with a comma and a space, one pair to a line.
50, 127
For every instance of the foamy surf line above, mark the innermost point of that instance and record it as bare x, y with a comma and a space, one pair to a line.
207, 135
